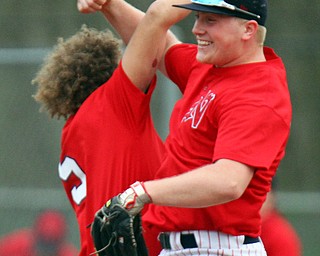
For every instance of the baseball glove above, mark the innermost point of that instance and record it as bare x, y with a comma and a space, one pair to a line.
116, 232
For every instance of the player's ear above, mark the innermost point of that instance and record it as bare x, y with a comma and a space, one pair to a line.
250, 29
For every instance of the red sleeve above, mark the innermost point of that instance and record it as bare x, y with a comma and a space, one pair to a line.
131, 105
242, 132
179, 62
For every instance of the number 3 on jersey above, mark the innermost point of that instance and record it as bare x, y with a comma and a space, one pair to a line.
66, 168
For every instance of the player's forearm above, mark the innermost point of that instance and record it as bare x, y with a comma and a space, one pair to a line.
165, 14
123, 17
207, 186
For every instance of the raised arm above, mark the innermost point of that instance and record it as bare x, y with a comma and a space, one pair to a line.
124, 18
149, 42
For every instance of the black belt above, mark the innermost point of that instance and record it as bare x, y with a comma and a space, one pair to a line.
189, 241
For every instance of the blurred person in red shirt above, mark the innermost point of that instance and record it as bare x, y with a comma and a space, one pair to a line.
47, 237
277, 233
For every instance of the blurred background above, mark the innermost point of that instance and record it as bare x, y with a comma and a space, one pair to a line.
30, 141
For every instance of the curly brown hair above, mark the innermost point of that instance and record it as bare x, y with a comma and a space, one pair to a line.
74, 69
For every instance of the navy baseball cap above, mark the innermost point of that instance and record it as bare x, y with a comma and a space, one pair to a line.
245, 9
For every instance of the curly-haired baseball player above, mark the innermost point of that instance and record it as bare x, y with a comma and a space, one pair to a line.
227, 134
108, 140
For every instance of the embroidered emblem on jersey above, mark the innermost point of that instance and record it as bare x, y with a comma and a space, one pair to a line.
198, 109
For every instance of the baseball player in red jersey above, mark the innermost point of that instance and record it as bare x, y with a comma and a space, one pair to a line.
277, 233
108, 140
227, 134
47, 237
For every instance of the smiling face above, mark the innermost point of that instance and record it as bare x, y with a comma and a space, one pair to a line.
220, 39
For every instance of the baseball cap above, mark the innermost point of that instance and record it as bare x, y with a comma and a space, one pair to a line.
50, 225
245, 9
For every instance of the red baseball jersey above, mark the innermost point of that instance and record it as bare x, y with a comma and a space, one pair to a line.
23, 242
107, 145
279, 236
242, 113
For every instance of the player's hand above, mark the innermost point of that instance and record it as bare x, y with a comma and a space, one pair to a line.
116, 232
134, 198
90, 6
116, 229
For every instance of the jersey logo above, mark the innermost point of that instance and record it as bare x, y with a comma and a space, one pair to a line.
198, 109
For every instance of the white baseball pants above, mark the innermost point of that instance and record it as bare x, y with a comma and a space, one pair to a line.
212, 243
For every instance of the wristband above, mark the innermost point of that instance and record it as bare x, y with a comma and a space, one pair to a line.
134, 198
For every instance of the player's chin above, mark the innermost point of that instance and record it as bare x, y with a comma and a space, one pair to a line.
203, 57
